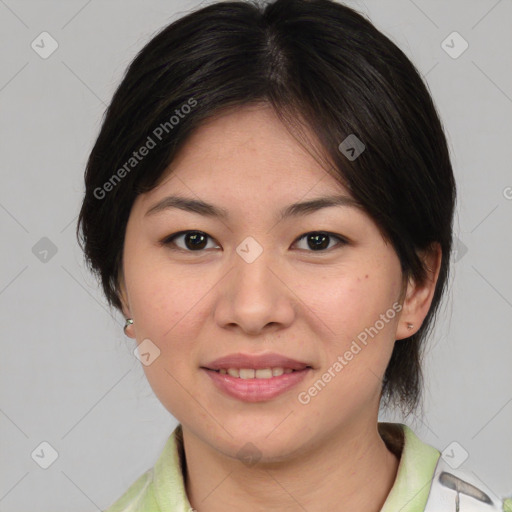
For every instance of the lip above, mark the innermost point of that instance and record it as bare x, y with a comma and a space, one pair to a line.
270, 360
256, 390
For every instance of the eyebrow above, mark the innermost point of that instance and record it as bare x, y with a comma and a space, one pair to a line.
210, 210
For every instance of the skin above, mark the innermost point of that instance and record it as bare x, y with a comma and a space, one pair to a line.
304, 303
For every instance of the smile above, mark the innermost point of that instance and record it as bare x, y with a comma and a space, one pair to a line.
251, 373
256, 385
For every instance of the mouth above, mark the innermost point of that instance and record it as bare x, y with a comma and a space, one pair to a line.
256, 373
247, 364
247, 384
256, 378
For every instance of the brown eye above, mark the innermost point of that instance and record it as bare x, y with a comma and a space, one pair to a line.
319, 240
194, 240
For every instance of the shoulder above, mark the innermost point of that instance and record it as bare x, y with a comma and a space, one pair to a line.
460, 490
139, 497
426, 482
161, 488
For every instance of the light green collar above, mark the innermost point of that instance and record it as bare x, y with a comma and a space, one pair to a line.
415, 471
162, 488
408, 494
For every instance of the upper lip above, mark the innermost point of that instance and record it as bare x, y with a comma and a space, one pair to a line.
255, 361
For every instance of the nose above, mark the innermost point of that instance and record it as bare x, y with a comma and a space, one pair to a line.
256, 297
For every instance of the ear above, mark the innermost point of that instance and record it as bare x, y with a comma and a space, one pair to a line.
123, 297
418, 296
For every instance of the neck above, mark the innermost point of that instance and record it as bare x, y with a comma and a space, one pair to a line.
352, 470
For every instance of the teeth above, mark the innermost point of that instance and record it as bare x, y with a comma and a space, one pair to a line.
251, 373
264, 373
246, 373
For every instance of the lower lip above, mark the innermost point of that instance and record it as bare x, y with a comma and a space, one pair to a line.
256, 390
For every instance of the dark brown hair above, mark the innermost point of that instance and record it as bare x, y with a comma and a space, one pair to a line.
319, 64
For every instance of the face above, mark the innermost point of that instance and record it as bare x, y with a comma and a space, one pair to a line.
310, 286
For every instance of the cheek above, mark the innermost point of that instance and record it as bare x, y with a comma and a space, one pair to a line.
348, 301
169, 311
166, 305
358, 310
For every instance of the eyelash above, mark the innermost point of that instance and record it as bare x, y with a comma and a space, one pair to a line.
169, 240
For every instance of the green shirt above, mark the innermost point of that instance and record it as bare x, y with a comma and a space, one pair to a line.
162, 488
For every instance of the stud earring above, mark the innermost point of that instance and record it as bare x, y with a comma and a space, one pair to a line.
410, 326
129, 321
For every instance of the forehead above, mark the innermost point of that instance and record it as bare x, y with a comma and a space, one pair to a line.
247, 153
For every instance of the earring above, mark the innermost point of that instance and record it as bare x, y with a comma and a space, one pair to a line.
129, 321
410, 326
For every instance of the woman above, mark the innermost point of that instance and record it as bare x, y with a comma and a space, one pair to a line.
269, 203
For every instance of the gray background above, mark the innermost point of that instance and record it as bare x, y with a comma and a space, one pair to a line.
68, 375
